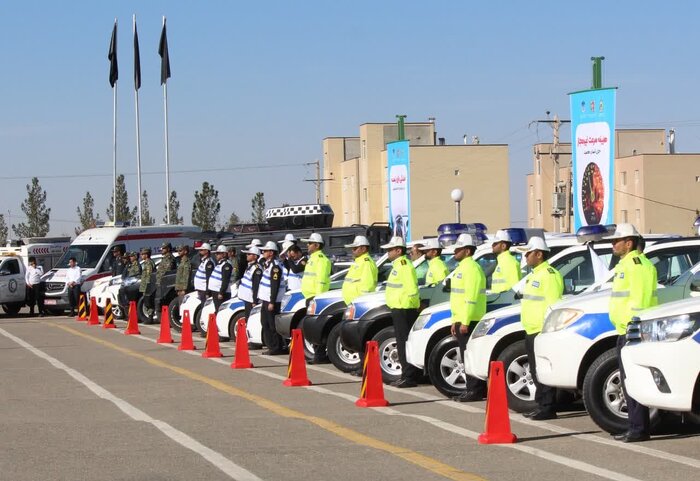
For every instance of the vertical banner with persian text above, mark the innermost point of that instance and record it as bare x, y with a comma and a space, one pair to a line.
593, 156
399, 188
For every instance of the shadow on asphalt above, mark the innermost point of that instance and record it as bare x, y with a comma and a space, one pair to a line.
554, 436
408, 403
336, 383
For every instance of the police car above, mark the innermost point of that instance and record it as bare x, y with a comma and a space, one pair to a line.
662, 357
226, 317
576, 349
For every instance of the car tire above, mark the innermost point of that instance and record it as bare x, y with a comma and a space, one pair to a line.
388, 355
143, 310
174, 311
309, 350
232, 325
520, 386
341, 357
444, 370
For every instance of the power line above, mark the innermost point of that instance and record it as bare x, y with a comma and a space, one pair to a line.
657, 201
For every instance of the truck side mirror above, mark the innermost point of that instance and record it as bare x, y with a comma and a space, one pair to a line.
5, 272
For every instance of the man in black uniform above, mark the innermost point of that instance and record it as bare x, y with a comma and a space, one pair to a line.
118, 261
203, 271
250, 282
220, 278
272, 288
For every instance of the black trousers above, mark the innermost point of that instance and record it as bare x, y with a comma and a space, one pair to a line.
202, 296
35, 296
271, 338
217, 301
637, 415
545, 396
474, 385
74, 296
403, 320
247, 307
320, 353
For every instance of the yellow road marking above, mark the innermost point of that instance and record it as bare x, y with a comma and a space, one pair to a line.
425, 462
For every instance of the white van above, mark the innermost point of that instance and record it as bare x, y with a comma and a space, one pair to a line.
93, 251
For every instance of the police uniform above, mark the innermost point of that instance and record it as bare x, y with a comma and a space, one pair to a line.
271, 290
467, 307
219, 283
437, 271
633, 290
133, 269
507, 272
360, 279
294, 272
167, 264
147, 285
183, 276
249, 286
543, 287
317, 274
201, 276
118, 266
403, 300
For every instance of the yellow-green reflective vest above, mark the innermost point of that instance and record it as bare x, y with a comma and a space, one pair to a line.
634, 289
361, 278
437, 271
317, 275
467, 292
543, 287
402, 285
507, 272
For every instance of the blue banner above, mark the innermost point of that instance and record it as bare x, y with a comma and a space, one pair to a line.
399, 188
593, 156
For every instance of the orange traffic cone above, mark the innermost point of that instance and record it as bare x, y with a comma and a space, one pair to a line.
109, 316
211, 343
497, 429
242, 357
372, 391
165, 336
186, 342
296, 369
94, 315
132, 327
82, 309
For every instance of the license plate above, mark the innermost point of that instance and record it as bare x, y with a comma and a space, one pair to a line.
50, 302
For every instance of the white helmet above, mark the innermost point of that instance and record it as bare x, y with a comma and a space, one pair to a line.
204, 247
358, 241
314, 238
288, 238
255, 242
395, 241
270, 246
255, 250
536, 244
221, 249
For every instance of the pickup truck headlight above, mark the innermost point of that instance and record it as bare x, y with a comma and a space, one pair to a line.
421, 321
483, 327
349, 313
669, 329
558, 319
311, 310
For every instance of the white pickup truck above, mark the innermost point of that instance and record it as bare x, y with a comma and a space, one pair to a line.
12, 284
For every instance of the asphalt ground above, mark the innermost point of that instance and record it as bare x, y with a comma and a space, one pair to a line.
84, 403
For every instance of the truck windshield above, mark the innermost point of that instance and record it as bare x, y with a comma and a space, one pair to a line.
87, 256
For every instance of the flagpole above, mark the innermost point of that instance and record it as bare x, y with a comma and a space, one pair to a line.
138, 144
114, 151
167, 153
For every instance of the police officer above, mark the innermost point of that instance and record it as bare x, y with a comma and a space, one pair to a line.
204, 270
183, 276
415, 253
220, 279
467, 306
288, 238
271, 291
167, 264
507, 272
437, 270
118, 261
147, 286
634, 289
316, 279
294, 265
250, 282
132, 269
544, 286
403, 300
35, 286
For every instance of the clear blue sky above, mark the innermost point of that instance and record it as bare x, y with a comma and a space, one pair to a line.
262, 83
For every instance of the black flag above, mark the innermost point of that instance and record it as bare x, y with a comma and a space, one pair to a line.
164, 57
137, 60
112, 57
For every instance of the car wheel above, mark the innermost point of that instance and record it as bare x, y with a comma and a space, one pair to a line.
446, 368
174, 310
309, 349
521, 387
388, 355
144, 312
341, 357
232, 325
117, 311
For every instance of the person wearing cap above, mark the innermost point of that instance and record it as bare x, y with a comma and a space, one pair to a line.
543, 287
147, 286
415, 252
467, 306
118, 261
236, 263
203, 272
294, 262
288, 238
133, 269
183, 276
250, 282
507, 272
167, 263
74, 279
633, 290
271, 291
402, 299
316, 280
255, 243
35, 286
220, 278
437, 269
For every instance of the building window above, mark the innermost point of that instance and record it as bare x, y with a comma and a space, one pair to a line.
364, 149
623, 214
539, 167
636, 177
532, 191
638, 217
364, 191
539, 207
623, 178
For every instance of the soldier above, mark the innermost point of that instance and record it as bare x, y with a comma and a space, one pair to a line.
132, 269
147, 285
183, 277
235, 262
167, 264
250, 282
118, 261
220, 278
201, 276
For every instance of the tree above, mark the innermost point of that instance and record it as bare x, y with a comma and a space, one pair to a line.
206, 207
175, 218
3, 230
34, 208
233, 219
258, 206
146, 218
86, 215
124, 213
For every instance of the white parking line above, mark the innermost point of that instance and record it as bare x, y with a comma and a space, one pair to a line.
224, 464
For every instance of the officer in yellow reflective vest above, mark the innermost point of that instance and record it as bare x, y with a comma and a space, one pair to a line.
402, 299
316, 280
634, 289
437, 270
507, 272
467, 306
362, 276
543, 287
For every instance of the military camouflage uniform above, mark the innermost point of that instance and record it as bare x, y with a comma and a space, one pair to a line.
184, 273
146, 272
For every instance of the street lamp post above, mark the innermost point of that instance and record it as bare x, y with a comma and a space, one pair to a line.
457, 196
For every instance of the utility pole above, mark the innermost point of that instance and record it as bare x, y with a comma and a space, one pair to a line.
318, 181
559, 187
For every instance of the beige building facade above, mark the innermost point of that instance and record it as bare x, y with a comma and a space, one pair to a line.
357, 188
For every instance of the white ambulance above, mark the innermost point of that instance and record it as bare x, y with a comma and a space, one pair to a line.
93, 251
